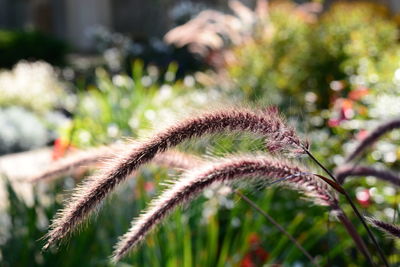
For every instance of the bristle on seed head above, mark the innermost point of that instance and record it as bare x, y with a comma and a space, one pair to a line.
91, 193
193, 182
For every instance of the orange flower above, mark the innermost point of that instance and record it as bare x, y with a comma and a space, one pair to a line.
358, 93
347, 104
61, 146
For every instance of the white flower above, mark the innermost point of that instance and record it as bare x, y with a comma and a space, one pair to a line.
31, 85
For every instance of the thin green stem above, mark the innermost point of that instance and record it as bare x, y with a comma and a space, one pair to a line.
277, 225
353, 206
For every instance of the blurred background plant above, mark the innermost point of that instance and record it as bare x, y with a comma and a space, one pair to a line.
34, 86
121, 105
31, 102
30, 45
118, 51
20, 130
333, 71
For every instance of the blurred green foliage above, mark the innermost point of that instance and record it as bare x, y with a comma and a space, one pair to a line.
272, 64
30, 45
331, 69
299, 53
132, 105
352, 42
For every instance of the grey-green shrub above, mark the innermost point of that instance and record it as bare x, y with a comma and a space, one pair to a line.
20, 130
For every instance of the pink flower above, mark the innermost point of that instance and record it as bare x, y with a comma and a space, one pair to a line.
149, 187
361, 135
364, 197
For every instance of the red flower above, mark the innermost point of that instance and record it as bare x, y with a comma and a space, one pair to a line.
334, 122
256, 256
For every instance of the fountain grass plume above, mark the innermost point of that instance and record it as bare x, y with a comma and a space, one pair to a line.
193, 182
171, 159
388, 228
91, 193
86, 159
78, 160
176, 160
385, 175
372, 137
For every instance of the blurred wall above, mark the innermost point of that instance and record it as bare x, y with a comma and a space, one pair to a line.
3, 12
72, 19
395, 5
11, 12
141, 18
148, 18
82, 16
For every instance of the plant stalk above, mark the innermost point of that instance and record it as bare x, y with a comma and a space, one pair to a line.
353, 206
277, 225
353, 233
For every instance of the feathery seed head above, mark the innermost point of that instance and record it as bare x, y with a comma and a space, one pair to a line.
372, 137
193, 182
91, 193
385, 175
390, 229
64, 166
